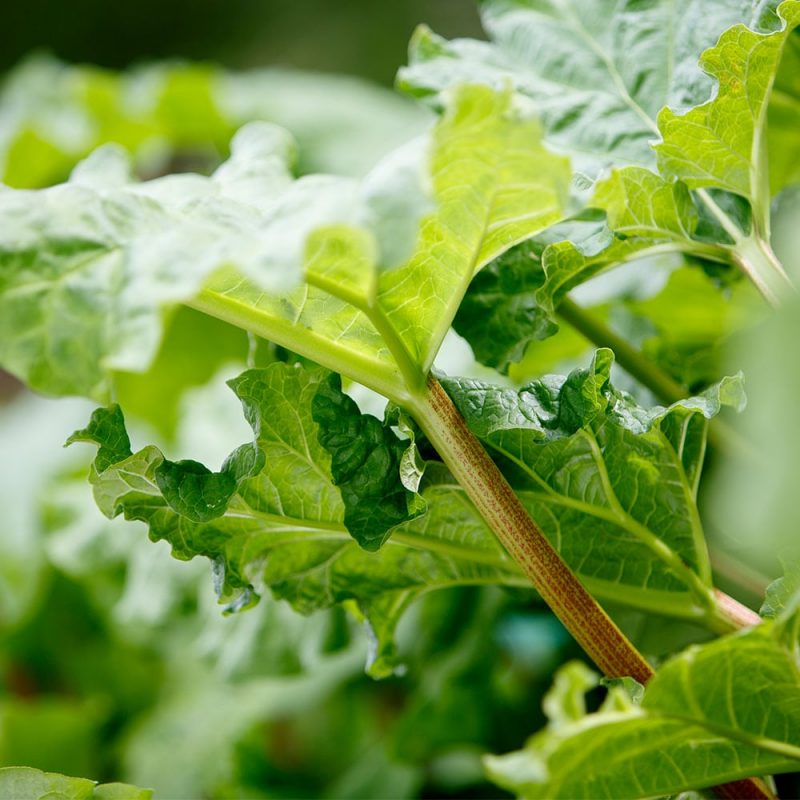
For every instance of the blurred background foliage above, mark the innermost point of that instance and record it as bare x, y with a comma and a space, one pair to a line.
115, 661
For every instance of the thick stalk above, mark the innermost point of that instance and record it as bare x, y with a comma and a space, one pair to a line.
566, 596
755, 258
647, 373
485, 485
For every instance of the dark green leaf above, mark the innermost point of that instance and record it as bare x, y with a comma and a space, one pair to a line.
366, 458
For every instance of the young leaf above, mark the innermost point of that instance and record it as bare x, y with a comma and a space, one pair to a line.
713, 714
611, 484
780, 592
25, 783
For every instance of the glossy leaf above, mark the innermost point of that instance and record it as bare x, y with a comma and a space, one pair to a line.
366, 460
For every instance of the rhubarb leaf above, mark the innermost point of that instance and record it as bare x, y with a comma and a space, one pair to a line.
713, 714
612, 484
366, 459
513, 301
86, 267
722, 143
783, 119
597, 72
641, 203
55, 114
285, 528
26, 783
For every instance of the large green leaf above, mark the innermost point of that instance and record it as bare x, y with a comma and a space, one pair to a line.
598, 72
609, 78
723, 143
24, 783
284, 529
86, 267
612, 484
496, 185
713, 714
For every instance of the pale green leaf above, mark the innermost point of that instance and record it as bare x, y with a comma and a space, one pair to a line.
597, 71
723, 143
54, 114
496, 185
132, 249
25, 783
780, 592
713, 714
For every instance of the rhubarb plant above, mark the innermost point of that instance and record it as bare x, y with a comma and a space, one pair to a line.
579, 139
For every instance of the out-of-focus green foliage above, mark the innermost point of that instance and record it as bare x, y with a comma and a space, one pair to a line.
176, 116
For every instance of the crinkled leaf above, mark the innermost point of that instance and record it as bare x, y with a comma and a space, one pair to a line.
86, 267
106, 429
366, 457
722, 143
612, 484
512, 301
608, 78
713, 714
25, 783
597, 72
131, 249
284, 529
